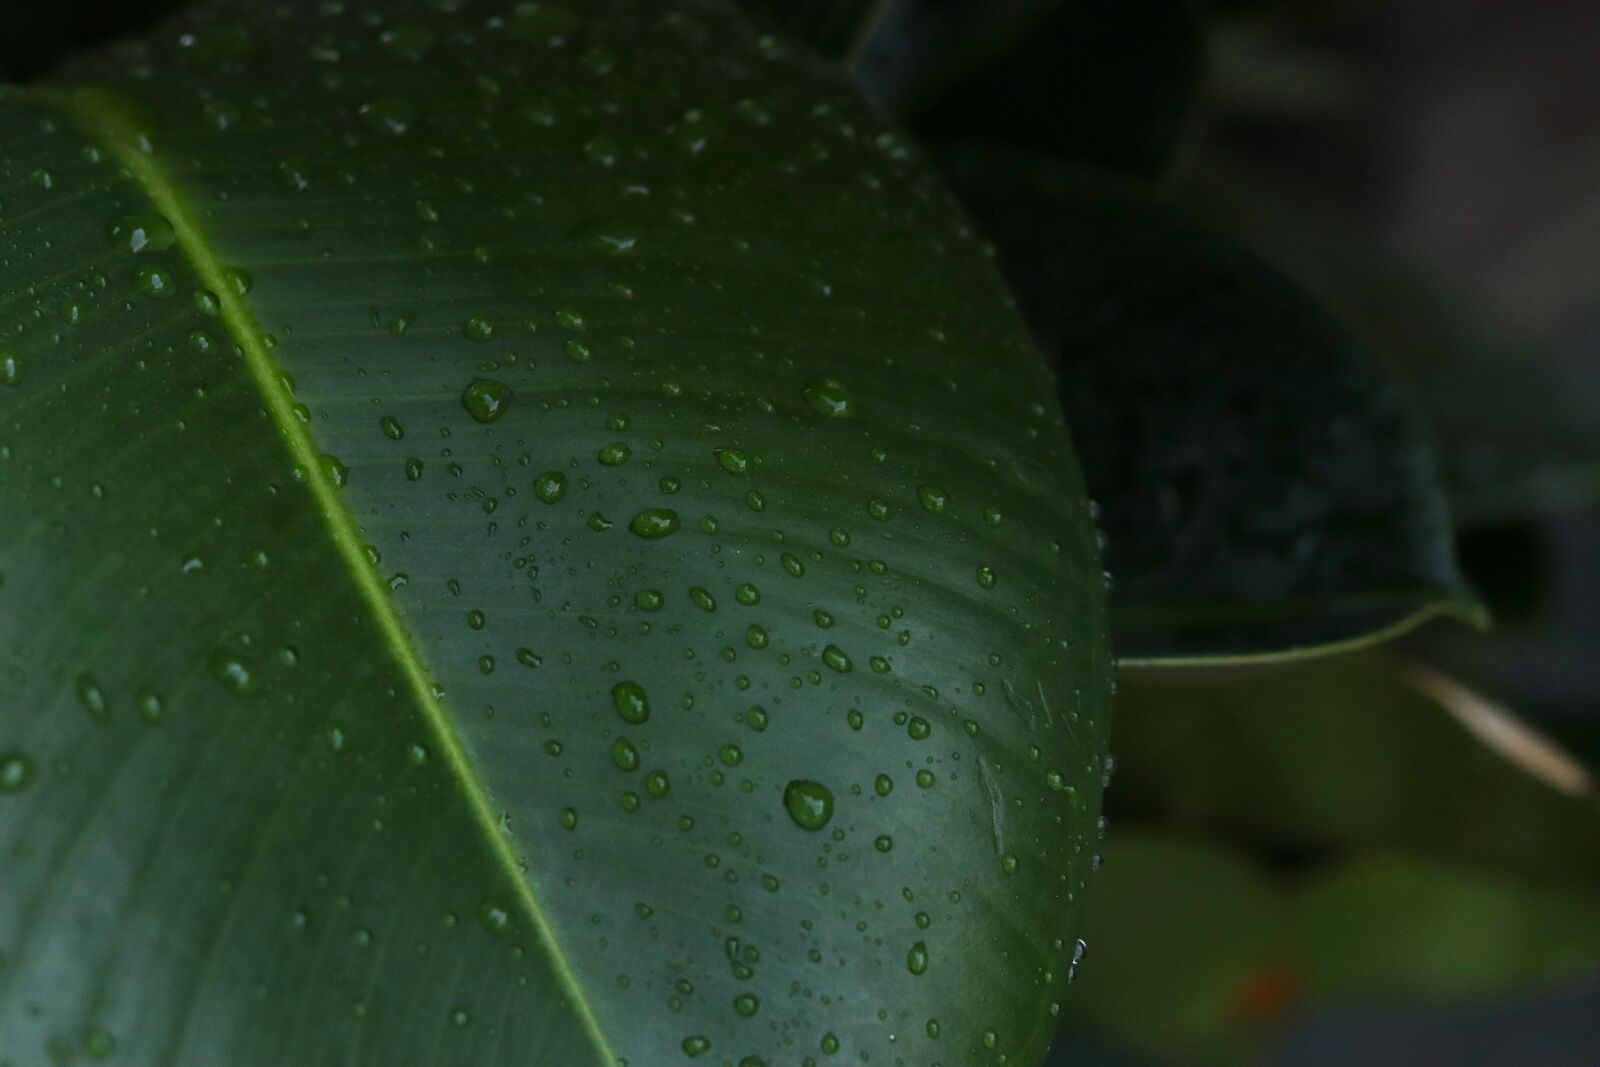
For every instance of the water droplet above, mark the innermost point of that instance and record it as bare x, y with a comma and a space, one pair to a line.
652, 523
829, 396
16, 772
917, 959
140, 234
696, 1044
391, 427
733, 460
631, 701
610, 236
624, 755
486, 399
148, 701
986, 577
233, 672
836, 658
99, 1043
390, 114
481, 328
615, 454
10, 368
91, 696
550, 486
746, 1004
155, 280
810, 804
494, 917
933, 498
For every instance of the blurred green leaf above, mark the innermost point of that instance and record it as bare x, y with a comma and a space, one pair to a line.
1265, 490
1517, 429
1184, 937
1111, 82
836, 28
1349, 754
1198, 950
1395, 928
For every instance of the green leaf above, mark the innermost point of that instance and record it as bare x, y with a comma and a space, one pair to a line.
1355, 753
1476, 379
1398, 928
836, 28
528, 538
1115, 83
1265, 490
1199, 951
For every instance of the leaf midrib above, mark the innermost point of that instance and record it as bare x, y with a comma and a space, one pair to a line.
89, 111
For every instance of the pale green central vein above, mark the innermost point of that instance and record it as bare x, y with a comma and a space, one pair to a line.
99, 113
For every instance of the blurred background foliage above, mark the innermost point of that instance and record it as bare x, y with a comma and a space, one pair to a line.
1321, 279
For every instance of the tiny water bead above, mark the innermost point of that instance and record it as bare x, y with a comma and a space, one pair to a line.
10, 368
631, 701
829, 396
481, 328
91, 697
615, 454
16, 771
624, 755
917, 959
494, 916
810, 804
653, 523
550, 486
233, 672
933, 499
486, 399
733, 460
155, 280
140, 234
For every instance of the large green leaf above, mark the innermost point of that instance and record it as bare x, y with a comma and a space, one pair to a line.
529, 536
1198, 952
1264, 489
1355, 753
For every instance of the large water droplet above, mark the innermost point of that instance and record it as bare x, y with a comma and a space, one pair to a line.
810, 804
829, 396
631, 701
652, 523
486, 399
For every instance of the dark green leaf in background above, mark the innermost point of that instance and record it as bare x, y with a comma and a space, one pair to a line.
529, 536
1115, 83
1264, 489
1517, 428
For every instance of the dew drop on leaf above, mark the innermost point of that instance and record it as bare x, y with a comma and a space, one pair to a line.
829, 396
486, 399
653, 523
810, 804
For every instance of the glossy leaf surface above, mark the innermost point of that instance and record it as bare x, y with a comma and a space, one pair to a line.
1265, 489
529, 537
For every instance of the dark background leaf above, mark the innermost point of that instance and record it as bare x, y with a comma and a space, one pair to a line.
1111, 82
1264, 489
